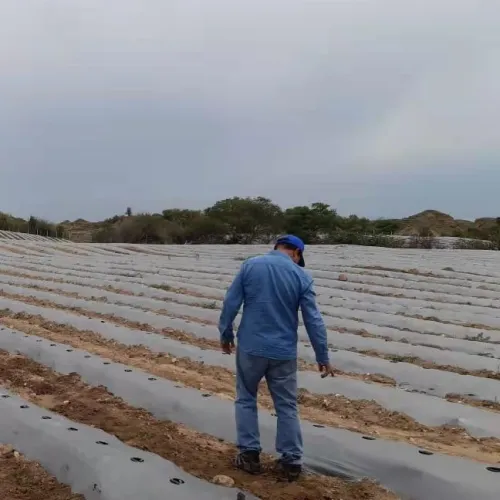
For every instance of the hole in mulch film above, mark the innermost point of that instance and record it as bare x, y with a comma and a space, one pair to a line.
128, 370
24, 407
206, 395
72, 429
52, 345
46, 417
493, 469
319, 426
102, 442
38, 340
106, 363
178, 386
177, 481
13, 333
26, 336
471, 395
137, 460
102, 321
87, 356
425, 452
369, 438
5, 396
151, 378
69, 350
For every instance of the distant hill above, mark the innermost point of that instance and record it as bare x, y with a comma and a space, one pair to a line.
81, 230
435, 223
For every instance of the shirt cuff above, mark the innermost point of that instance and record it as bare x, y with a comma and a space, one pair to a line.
227, 336
323, 359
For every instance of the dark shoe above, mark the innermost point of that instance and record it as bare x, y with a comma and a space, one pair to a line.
291, 472
249, 461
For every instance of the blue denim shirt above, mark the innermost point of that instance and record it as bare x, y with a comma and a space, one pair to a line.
272, 288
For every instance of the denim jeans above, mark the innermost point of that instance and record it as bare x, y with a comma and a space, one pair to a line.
281, 378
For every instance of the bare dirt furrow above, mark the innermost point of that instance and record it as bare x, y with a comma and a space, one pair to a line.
434, 319
22, 479
181, 291
179, 335
213, 344
198, 454
337, 411
12, 249
426, 274
414, 360
436, 300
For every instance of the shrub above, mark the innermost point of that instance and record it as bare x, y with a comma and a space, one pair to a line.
374, 240
469, 244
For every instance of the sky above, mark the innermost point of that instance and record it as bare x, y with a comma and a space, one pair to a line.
381, 108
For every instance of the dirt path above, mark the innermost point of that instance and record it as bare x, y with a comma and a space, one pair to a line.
198, 454
21, 479
363, 416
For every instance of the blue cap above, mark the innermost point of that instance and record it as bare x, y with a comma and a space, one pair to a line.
295, 241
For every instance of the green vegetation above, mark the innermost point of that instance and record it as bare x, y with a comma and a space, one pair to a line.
259, 220
33, 225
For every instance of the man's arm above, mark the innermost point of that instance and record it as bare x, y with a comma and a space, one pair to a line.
230, 307
315, 326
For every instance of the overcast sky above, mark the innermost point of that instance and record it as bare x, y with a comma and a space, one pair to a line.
378, 107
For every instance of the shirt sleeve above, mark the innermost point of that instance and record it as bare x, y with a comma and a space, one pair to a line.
232, 303
315, 326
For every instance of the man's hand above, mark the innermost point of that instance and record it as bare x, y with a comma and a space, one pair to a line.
326, 369
227, 347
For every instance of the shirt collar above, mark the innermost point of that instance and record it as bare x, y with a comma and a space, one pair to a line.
277, 253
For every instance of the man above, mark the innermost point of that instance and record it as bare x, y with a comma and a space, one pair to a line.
272, 288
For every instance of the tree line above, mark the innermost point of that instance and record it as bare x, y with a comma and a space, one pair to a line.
251, 220
34, 225
239, 221
258, 220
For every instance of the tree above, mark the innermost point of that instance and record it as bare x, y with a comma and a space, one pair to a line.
247, 220
182, 217
128, 212
313, 224
4, 222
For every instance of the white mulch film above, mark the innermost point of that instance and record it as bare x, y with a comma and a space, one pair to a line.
409, 306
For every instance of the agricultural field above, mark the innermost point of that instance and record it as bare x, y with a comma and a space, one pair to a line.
113, 387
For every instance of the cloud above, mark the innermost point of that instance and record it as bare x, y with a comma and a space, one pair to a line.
156, 104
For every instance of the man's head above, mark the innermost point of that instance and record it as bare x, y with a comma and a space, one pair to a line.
292, 246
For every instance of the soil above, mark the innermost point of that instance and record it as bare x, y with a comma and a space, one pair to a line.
403, 296
362, 416
12, 250
198, 454
429, 365
179, 335
479, 403
213, 344
361, 332
22, 479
